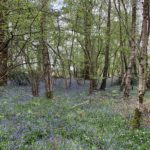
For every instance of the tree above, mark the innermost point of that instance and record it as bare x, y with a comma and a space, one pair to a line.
3, 45
46, 59
89, 51
142, 64
107, 49
128, 74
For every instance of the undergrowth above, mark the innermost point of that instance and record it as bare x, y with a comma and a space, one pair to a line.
42, 124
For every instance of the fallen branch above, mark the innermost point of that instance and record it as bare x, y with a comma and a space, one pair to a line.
81, 104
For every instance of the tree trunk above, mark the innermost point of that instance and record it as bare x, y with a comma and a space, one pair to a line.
142, 64
35, 84
87, 41
106, 63
122, 53
90, 65
86, 68
3, 52
46, 59
128, 73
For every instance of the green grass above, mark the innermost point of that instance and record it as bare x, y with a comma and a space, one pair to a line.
42, 124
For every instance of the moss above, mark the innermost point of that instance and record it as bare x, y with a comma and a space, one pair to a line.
136, 120
141, 98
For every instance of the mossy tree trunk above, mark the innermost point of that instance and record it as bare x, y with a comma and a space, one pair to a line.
87, 38
3, 49
45, 53
89, 53
107, 49
86, 72
142, 63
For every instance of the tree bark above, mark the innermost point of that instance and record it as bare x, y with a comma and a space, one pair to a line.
90, 65
46, 59
142, 64
3, 51
35, 83
86, 68
143, 49
87, 39
128, 73
106, 63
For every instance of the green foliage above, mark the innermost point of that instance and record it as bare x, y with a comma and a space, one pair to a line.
39, 122
114, 93
137, 139
19, 78
32, 136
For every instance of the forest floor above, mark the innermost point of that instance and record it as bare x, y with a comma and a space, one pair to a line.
71, 121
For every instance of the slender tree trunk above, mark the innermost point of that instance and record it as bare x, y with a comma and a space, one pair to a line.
39, 59
128, 73
3, 51
122, 54
106, 63
142, 65
46, 59
86, 72
147, 65
34, 75
35, 83
87, 41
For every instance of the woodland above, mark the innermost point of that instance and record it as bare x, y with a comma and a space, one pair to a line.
74, 75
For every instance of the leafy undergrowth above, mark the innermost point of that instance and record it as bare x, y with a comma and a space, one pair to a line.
62, 124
